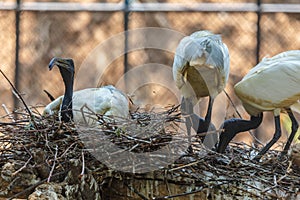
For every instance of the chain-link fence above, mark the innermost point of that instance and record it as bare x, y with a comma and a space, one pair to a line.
251, 30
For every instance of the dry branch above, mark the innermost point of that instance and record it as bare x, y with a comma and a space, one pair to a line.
50, 149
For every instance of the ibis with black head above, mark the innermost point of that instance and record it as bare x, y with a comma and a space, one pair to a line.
106, 101
272, 85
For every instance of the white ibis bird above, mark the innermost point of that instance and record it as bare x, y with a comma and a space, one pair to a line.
106, 100
272, 85
200, 69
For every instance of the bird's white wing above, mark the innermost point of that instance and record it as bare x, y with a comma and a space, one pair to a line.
187, 53
273, 83
269, 62
208, 54
226, 62
106, 100
86, 103
119, 103
53, 107
217, 58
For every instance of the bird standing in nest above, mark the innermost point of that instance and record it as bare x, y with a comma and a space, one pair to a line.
272, 85
200, 69
107, 100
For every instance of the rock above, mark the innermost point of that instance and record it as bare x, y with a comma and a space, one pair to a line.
7, 171
47, 191
13, 181
79, 186
295, 154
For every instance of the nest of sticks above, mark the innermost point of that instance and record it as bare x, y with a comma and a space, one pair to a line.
37, 150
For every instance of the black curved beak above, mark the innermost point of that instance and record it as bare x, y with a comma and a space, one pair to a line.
225, 138
231, 128
52, 63
62, 62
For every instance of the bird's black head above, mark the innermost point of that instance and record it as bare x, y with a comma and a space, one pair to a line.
232, 127
66, 68
62, 63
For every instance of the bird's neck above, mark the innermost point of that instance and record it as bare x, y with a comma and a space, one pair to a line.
198, 123
241, 125
234, 126
66, 108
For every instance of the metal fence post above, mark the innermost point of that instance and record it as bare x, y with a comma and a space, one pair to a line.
258, 38
17, 26
126, 24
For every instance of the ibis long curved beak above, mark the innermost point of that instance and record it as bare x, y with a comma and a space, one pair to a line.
225, 138
62, 62
232, 127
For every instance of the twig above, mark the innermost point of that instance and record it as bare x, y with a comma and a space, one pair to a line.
8, 113
82, 112
166, 182
184, 166
234, 170
232, 104
132, 148
13, 174
83, 164
69, 147
135, 139
20, 98
53, 166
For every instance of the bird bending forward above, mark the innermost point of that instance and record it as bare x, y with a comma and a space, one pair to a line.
200, 69
80, 105
272, 85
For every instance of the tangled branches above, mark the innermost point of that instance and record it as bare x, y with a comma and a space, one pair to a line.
52, 152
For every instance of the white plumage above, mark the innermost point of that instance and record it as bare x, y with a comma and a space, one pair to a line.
201, 65
200, 69
107, 101
272, 85
81, 106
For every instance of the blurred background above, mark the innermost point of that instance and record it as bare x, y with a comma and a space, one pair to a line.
32, 32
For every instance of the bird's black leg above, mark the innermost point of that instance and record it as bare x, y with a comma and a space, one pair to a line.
293, 132
209, 111
188, 124
187, 110
204, 126
209, 140
276, 136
